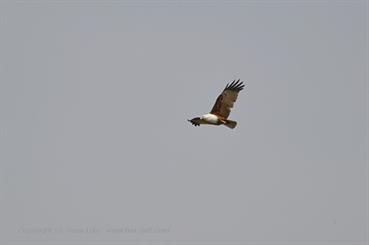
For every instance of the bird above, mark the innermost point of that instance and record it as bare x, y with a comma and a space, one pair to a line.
222, 107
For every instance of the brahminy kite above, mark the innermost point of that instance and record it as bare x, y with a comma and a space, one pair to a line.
222, 107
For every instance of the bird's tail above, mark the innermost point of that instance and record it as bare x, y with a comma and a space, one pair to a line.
231, 124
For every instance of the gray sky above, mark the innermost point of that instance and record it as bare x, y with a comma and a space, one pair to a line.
94, 101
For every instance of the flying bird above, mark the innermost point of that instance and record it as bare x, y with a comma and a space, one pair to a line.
222, 107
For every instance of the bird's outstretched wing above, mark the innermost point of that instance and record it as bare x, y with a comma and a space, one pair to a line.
226, 99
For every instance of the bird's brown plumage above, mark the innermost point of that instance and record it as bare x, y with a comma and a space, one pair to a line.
226, 99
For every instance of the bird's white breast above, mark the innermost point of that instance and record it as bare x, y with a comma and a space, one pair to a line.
210, 118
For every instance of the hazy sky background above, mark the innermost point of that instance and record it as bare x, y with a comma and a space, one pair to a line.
94, 102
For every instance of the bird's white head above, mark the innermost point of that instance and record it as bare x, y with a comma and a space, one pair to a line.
210, 118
